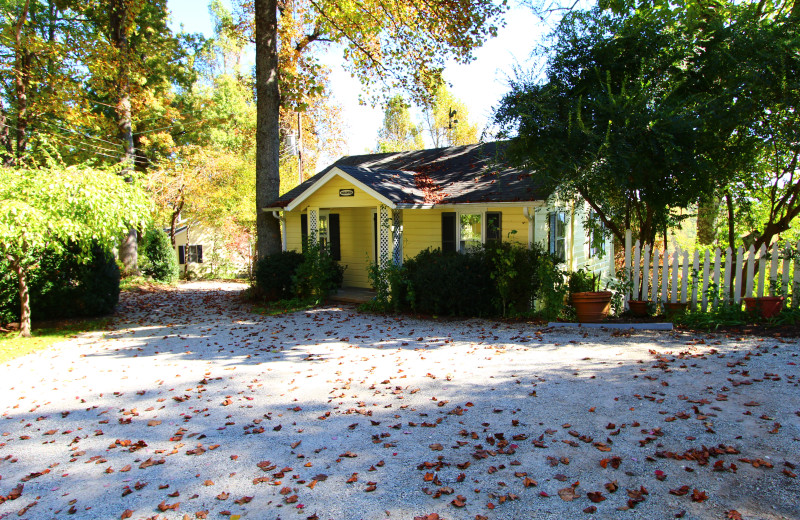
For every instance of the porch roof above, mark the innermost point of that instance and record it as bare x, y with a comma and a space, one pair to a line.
454, 175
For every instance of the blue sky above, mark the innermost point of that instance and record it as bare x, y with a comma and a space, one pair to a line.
481, 84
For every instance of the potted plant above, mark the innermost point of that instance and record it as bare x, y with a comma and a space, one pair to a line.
639, 308
591, 304
766, 306
672, 309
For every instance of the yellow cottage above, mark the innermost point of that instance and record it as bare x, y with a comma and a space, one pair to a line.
390, 206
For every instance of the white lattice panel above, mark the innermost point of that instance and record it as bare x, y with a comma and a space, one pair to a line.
397, 237
312, 226
383, 242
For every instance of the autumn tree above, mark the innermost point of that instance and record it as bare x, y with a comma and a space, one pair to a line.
387, 45
398, 132
446, 119
53, 209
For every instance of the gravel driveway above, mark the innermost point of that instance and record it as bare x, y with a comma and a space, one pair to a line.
193, 407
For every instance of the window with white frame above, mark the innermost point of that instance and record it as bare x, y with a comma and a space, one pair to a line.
471, 231
190, 254
558, 235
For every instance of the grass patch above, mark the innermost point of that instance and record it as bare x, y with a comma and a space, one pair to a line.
142, 284
44, 336
283, 307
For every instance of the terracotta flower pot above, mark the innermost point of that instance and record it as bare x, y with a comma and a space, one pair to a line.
639, 308
767, 306
672, 309
592, 307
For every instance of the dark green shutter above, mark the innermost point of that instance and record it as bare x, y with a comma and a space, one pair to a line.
181, 255
333, 235
199, 254
449, 234
304, 231
494, 229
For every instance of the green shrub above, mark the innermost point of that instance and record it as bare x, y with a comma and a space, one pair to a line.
391, 285
318, 276
453, 284
157, 256
61, 287
274, 275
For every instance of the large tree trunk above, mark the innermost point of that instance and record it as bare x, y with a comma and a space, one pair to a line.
268, 233
119, 22
22, 64
24, 299
707, 210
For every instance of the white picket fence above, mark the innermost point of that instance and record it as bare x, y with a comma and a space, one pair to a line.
672, 276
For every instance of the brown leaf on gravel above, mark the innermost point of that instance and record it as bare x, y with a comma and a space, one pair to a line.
733, 515
126, 514
285, 490
612, 487
590, 510
752, 403
153, 422
699, 496
242, 501
683, 490
348, 454
291, 500
163, 506
371, 486
125, 468
353, 478
529, 482
223, 496
459, 501
436, 447
568, 494
201, 515
595, 496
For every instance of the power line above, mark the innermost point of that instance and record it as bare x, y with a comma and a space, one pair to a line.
197, 121
81, 134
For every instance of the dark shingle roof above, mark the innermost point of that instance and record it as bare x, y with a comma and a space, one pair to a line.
452, 175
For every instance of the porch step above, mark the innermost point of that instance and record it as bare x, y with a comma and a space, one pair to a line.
353, 295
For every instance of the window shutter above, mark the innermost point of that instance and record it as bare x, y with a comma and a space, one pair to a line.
181, 255
494, 229
551, 245
199, 254
449, 235
304, 231
333, 236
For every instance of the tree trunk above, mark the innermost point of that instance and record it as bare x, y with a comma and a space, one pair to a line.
119, 21
707, 210
24, 299
268, 234
22, 63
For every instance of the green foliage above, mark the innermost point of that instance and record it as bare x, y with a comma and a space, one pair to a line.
398, 132
552, 288
274, 275
157, 256
583, 281
63, 284
725, 315
318, 276
392, 287
620, 285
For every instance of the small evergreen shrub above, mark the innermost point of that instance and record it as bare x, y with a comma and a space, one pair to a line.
61, 287
274, 275
318, 276
158, 259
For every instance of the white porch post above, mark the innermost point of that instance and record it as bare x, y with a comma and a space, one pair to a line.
313, 222
384, 231
397, 237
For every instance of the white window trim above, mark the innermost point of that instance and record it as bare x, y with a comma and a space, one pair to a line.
476, 210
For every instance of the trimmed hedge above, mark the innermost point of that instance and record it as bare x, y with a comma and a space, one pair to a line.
274, 275
61, 287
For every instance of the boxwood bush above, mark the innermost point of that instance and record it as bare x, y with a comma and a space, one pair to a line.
158, 259
274, 274
61, 287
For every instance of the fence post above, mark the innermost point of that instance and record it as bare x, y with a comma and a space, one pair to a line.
628, 271
738, 282
762, 269
646, 274
654, 288
664, 275
636, 270
717, 277
706, 266
749, 278
773, 269
675, 266
695, 275
785, 273
726, 289
685, 279
796, 280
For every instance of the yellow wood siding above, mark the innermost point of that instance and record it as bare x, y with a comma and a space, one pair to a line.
327, 196
422, 229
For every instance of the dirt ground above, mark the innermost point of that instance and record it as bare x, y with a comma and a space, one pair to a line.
191, 406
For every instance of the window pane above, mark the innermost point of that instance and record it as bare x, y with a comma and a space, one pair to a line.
493, 227
470, 231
